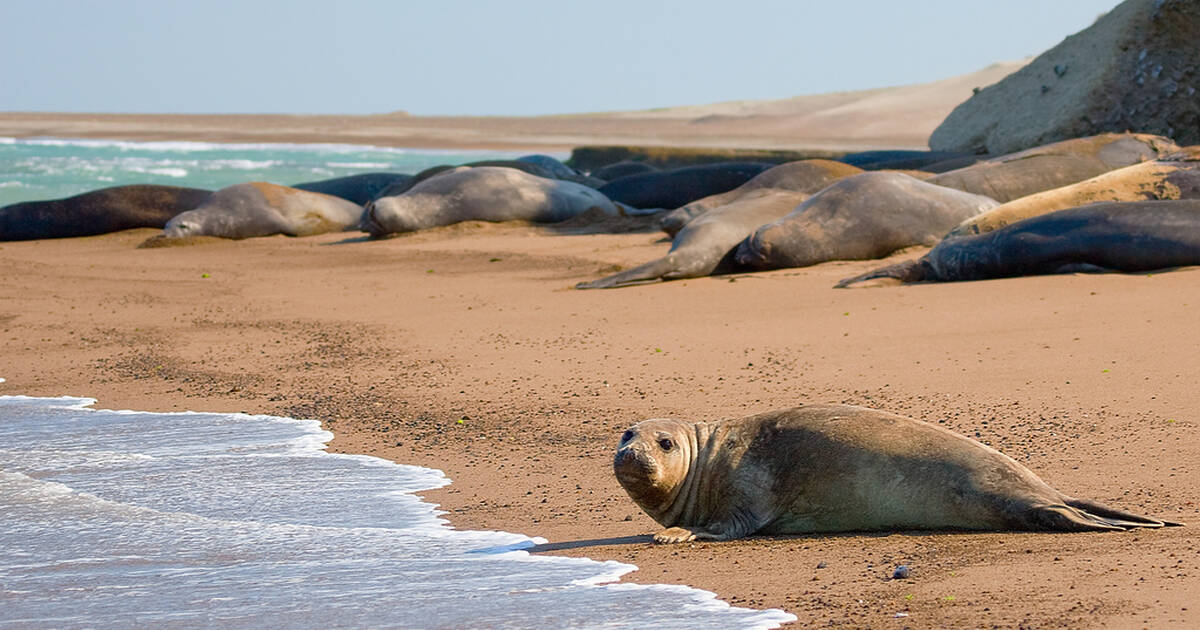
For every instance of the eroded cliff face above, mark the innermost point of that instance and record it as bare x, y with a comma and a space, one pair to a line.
1137, 68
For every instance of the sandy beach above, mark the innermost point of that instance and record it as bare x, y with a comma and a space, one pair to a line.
466, 349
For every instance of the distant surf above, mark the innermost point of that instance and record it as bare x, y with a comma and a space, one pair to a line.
50, 168
123, 518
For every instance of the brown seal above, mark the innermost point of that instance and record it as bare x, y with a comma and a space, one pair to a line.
837, 468
1050, 166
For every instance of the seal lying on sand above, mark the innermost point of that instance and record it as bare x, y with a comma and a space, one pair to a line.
804, 176
674, 188
705, 246
869, 215
482, 193
1176, 176
837, 468
262, 209
98, 212
1054, 165
1111, 236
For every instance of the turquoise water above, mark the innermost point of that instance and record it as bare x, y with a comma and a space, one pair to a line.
118, 519
51, 168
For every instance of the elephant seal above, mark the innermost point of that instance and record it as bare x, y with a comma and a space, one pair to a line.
705, 245
805, 176
1106, 236
837, 468
1176, 176
98, 212
483, 193
359, 188
1054, 165
869, 215
618, 170
262, 209
674, 188
893, 160
529, 164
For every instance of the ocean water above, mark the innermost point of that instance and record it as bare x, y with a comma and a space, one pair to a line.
51, 168
117, 519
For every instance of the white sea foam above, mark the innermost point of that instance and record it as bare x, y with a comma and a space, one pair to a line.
10, 184
190, 146
358, 164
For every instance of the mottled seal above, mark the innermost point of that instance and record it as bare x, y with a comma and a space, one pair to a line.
705, 245
869, 215
98, 212
1176, 176
262, 209
1106, 236
359, 188
837, 468
805, 176
1016, 175
483, 193
674, 188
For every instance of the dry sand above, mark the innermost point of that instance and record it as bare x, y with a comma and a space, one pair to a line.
465, 349
893, 117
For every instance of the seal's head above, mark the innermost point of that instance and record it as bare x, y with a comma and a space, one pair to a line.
653, 461
184, 224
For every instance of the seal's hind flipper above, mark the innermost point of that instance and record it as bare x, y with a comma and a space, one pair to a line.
907, 271
1087, 516
652, 271
1135, 520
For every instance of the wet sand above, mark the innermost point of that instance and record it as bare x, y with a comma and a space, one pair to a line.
465, 349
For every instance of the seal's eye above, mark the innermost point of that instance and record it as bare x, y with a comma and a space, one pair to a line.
627, 436
666, 444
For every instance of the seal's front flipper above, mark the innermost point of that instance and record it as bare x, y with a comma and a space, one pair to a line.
682, 534
674, 535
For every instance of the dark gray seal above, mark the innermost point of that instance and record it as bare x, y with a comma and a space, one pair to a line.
705, 245
262, 209
1107, 236
482, 193
359, 188
674, 188
862, 216
98, 212
837, 468
618, 170
897, 160
804, 176
1054, 165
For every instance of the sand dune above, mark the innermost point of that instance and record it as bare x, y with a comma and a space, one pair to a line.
889, 117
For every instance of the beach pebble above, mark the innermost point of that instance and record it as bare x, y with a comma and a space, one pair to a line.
901, 572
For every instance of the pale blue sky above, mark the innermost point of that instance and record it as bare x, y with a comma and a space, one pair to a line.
504, 57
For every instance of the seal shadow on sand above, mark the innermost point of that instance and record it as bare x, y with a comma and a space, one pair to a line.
648, 539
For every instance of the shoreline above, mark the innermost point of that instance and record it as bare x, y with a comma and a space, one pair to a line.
424, 350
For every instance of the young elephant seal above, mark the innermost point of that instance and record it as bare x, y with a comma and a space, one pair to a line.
837, 468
